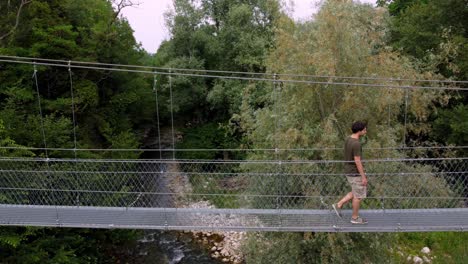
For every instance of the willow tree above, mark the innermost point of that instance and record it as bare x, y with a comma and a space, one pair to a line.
345, 39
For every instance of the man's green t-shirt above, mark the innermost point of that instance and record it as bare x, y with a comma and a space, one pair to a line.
352, 148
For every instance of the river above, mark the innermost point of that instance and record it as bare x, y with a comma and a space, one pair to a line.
168, 247
171, 247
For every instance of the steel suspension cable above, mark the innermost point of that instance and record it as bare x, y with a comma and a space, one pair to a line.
237, 161
155, 90
74, 119
275, 142
233, 72
73, 108
280, 199
237, 150
406, 116
40, 111
401, 185
172, 115
42, 121
248, 78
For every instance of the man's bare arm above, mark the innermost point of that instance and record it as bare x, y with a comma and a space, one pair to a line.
360, 168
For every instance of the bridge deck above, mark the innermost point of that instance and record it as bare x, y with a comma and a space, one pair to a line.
392, 220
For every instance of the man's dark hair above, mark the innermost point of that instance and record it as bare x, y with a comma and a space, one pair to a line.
358, 126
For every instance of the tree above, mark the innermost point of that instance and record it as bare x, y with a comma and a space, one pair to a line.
395, 7
10, 29
344, 39
312, 248
107, 104
110, 109
217, 35
434, 32
451, 126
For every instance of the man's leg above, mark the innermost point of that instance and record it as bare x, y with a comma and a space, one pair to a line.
345, 199
356, 205
360, 192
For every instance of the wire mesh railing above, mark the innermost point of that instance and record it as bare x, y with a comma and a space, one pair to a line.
393, 183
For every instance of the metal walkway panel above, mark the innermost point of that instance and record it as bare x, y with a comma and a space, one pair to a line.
392, 220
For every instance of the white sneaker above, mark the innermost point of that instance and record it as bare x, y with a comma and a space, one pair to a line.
337, 210
358, 221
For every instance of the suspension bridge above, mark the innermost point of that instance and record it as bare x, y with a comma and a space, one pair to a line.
405, 194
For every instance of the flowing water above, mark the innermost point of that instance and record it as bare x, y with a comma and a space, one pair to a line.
162, 247
168, 247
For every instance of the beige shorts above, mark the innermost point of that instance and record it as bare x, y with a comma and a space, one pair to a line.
359, 190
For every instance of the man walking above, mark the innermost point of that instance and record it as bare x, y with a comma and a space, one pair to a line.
354, 173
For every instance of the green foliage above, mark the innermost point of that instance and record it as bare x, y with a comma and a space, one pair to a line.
320, 115
29, 130
451, 126
395, 7
79, 30
446, 247
317, 248
55, 42
15, 151
424, 30
86, 95
188, 93
273, 248
208, 136
109, 109
10, 240
211, 136
345, 39
434, 33
225, 96
216, 35
48, 245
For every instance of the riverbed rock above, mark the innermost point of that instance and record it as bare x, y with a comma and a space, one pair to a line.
227, 243
224, 252
425, 250
417, 260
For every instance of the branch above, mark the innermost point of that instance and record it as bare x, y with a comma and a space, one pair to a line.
123, 4
18, 13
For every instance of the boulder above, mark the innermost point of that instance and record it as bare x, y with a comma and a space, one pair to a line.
426, 259
425, 250
417, 260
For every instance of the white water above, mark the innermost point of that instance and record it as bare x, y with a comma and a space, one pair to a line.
171, 248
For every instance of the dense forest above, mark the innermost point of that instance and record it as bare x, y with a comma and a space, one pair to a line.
404, 39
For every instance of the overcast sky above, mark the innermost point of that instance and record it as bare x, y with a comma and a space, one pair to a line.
147, 19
